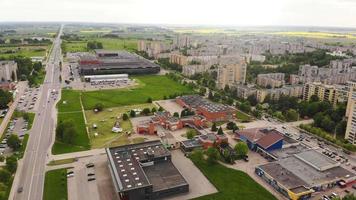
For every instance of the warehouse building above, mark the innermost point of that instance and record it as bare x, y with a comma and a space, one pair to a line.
144, 171
115, 62
298, 175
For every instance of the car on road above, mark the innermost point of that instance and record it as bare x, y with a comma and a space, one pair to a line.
91, 179
91, 174
19, 190
70, 175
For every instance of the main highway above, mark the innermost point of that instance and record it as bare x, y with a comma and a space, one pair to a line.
29, 180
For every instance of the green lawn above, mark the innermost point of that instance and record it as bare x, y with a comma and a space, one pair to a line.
242, 117
153, 86
69, 109
55, 187
232, 184
102, 136
27, 51
108, 44
69, 101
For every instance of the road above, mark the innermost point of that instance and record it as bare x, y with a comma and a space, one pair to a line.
31, 170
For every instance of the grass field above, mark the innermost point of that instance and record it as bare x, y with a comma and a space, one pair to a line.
105, 120
242, 117
232, 184
153, 86
108, 44
69, 109
55, 186
27, 51
61, 162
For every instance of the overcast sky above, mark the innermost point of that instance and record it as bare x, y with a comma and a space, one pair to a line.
341, 13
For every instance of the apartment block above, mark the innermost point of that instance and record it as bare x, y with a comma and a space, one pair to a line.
330, 93
350, 134
291, 91
8, 71
231, 74
152, 48
271, 80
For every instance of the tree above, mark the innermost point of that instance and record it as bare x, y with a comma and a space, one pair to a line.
4, 175
213, 155
94, 45
231, 126
341, 127
160, 109
213, 127
190, 133
5, 98
66, 131
220, 131
99, 106
11, 164
125, 117
202, 91
2, 158
245, 107
26, 116
175, 114
132, 113
149, 100
291, 115
241, 149
146, 111
252, 99
14, 142
197, 155
314, 98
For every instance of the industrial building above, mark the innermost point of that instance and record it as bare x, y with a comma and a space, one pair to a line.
107, 78
211, 111
144, 171
115, 62
298, 175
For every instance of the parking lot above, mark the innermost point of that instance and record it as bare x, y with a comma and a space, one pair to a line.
100, 185
28, 101
16, 126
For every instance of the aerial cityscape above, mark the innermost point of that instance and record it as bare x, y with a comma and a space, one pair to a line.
203, 100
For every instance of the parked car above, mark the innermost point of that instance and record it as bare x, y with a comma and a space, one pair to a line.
91, 179
89, 165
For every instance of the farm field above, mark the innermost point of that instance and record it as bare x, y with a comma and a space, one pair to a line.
153, 86
108, 44
322, 35
102, 136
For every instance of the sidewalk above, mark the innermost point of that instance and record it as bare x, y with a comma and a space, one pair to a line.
76, 154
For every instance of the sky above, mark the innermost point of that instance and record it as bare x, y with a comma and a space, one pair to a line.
335, 13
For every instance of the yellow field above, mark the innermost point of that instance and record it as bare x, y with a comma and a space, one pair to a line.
317, 35
95, 31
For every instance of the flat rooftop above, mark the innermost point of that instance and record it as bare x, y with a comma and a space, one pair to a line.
196, 101
164, 175
282, 175
192, 143
127, 162
317, 160
311, 175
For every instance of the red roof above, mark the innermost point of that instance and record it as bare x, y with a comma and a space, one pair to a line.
269, 139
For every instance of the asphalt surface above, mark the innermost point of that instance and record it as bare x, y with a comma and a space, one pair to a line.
32, 170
